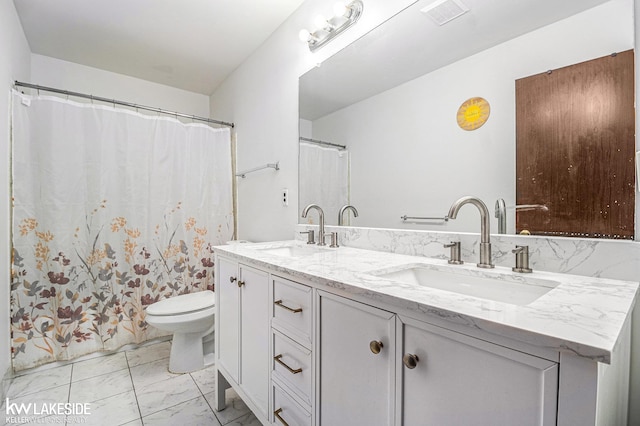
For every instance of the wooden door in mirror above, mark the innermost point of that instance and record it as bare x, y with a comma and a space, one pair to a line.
575, 145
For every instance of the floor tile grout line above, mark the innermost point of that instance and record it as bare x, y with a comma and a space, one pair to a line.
135, 394
69, 391
215, 413
99, 375
165, 408
171, 406
70, 382
22, 395
196, 382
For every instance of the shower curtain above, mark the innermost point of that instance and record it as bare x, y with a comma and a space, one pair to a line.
324, 179
112, 211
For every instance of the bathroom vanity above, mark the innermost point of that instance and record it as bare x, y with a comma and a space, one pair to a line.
311, 335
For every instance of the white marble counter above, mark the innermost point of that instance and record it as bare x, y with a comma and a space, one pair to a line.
581, 315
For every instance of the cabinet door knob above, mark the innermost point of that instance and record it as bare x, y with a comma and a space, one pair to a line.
410, 361
376, 346
240, 283
277, 414
232, 279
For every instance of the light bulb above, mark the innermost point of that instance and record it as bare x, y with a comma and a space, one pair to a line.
339, 9
304, 35
320, 22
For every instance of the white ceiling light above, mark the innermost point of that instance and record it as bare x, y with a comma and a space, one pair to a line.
327, 29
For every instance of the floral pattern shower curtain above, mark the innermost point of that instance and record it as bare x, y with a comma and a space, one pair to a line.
112, 211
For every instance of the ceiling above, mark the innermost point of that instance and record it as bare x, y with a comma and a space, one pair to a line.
192, 45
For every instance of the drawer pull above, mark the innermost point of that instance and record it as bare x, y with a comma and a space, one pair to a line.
232, 279
277, 414
240, 283
375, 346
410, 361
291, 370
279, 303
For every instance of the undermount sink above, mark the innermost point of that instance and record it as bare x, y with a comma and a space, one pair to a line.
293, 251
496, 286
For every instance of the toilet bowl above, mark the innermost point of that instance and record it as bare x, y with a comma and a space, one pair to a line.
190, 318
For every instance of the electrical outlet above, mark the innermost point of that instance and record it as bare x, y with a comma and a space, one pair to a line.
285, 197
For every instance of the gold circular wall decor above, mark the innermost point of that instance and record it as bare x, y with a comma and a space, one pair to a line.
473, 113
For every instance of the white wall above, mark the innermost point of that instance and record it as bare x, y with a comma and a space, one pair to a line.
51, 72
14, 65
261, 98
406, 143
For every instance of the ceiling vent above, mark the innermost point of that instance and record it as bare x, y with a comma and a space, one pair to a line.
443, 11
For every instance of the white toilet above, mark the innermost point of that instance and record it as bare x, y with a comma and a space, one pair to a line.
190, 318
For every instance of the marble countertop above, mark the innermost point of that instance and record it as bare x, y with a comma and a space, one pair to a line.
581, 315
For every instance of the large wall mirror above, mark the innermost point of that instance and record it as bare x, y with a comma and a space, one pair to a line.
389, 101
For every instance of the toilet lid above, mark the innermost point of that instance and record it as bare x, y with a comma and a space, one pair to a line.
183, 303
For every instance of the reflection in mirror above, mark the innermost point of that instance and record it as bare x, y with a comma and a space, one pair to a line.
324, 177
392, 98
575, 147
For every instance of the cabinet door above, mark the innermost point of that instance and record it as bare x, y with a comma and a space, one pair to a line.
228, 318
254, 376
356, 385
459, 380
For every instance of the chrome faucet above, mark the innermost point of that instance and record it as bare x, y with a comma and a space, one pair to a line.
522, 259
321, 225
344, 209
485, 243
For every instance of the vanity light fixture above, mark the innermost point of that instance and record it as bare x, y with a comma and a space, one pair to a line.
327, 29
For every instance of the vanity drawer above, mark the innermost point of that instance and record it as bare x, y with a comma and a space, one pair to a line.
286, 411
292, 366
292, 309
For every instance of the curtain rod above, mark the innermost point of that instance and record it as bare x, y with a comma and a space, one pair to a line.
319, 142
116, 102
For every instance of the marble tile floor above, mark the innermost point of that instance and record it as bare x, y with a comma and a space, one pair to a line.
125, 388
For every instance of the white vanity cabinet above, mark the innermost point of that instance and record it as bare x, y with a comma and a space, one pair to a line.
242, 333
356, 363
450, 378
304, 349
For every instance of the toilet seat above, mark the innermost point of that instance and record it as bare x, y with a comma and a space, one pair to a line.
183, 304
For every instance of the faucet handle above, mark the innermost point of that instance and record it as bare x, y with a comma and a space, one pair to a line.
455, 253
522, 259
334, 239
311, 233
